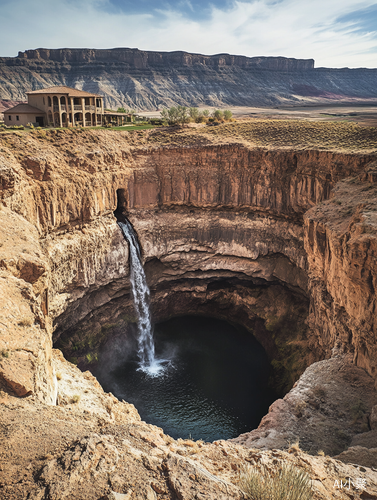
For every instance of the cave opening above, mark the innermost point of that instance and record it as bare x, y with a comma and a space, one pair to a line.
122, 202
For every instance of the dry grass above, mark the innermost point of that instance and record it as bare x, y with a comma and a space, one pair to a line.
281, 483
298, 134
301, 134
25, 322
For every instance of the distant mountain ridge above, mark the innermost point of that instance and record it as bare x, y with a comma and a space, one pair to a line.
149, 80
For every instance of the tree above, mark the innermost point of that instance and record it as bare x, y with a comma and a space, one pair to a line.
205, 113
122, 110
175, 115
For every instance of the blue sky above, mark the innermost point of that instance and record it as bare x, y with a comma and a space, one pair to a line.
336, 33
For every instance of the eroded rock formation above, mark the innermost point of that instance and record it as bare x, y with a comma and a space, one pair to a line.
266, 237
152, 80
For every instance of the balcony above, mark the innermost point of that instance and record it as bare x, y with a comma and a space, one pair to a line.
77, 107
90, 108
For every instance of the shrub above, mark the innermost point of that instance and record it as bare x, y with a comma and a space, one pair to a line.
193, 114
5, 353
75, 398
286, 483
227, 114
218, 115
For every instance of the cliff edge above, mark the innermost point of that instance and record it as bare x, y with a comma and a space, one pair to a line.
153, 80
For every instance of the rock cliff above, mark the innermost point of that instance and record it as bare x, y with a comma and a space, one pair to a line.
152, 80
279, 239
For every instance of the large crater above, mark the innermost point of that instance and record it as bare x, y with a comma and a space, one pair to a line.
252, 236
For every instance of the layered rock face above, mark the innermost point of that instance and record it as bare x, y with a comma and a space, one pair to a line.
213, 212
136, 58
262, 237
151, 80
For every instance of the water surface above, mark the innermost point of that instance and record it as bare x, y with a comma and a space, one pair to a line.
214, 386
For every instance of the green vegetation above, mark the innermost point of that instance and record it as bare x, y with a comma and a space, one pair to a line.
283, 482
91, 358
128, 111
5, 353
175, 115
180, 115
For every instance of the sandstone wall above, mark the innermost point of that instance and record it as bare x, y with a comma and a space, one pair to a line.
341, 245
213, 209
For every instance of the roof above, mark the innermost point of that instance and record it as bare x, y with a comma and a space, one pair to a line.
23, 108
63, 90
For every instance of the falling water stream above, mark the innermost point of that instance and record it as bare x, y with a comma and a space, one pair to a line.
148, 362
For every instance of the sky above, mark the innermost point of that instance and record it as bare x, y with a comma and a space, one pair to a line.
336, 33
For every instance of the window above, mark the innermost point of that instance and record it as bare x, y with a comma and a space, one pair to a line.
9, 117
17, 118
44, 101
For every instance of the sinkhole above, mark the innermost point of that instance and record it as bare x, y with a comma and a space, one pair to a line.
215, 385
205, 353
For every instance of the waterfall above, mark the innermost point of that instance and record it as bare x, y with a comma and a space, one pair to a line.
141, 295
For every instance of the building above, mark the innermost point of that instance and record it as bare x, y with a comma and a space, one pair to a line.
58, 107
22, 114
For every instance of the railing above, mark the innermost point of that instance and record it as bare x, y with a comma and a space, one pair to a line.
89, 108
63, 107
77, 108
88, 124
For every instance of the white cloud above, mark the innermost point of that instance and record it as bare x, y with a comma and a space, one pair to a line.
291, 28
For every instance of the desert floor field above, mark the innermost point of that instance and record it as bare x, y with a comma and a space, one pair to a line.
361, 113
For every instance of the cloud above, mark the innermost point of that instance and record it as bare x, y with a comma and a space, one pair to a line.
291, 28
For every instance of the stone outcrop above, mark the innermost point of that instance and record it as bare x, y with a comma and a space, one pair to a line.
328, 405
268, 235
152, 80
